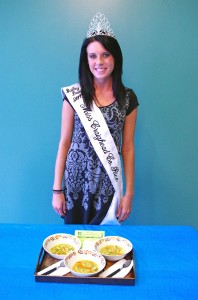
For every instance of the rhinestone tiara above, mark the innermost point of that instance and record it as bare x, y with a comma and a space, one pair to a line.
99, 26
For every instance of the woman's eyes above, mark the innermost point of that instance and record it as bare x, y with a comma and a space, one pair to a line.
94, 56
106, 54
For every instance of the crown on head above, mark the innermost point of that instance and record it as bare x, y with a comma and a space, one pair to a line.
99, 26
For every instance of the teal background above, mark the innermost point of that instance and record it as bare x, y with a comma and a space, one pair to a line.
40, 42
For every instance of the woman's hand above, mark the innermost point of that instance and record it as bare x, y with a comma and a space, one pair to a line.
59, 204
124, 208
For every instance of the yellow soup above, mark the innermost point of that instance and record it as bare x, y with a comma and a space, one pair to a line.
85, 267
61, 249
112, 250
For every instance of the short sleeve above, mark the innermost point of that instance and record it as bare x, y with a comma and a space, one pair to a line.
133, 101
64, 97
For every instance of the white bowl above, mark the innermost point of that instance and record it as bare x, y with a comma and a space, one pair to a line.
84, 254
125, 244
61, 238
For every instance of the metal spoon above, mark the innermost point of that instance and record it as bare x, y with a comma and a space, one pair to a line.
125, 265
54, 269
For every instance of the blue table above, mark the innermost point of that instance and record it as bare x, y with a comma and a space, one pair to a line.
166, 264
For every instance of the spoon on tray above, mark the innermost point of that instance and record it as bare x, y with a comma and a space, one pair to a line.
60, 265
125, 265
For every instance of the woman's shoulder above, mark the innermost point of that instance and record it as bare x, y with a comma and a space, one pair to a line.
132, 99
70, 88
130, 93
73, 88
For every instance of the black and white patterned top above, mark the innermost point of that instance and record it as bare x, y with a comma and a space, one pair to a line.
88, 189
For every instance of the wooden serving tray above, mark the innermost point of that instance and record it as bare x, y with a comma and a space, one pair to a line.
46, 260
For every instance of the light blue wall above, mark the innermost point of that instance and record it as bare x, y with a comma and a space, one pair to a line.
40, 42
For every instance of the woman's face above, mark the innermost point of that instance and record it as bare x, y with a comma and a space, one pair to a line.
101, 62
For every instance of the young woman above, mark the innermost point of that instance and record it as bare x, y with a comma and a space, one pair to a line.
98, 126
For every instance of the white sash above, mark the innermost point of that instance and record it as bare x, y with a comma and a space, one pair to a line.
103, 144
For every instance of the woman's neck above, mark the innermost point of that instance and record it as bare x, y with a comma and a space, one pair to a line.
104, 93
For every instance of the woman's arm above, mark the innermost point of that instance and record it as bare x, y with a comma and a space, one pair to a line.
58, 201
128, 156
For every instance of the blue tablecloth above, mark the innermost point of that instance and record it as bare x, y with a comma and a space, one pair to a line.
166, 264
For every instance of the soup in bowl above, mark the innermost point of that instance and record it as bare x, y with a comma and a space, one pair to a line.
113, 248
85, 262
60, 244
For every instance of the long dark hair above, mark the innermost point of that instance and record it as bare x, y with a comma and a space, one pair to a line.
86, 77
